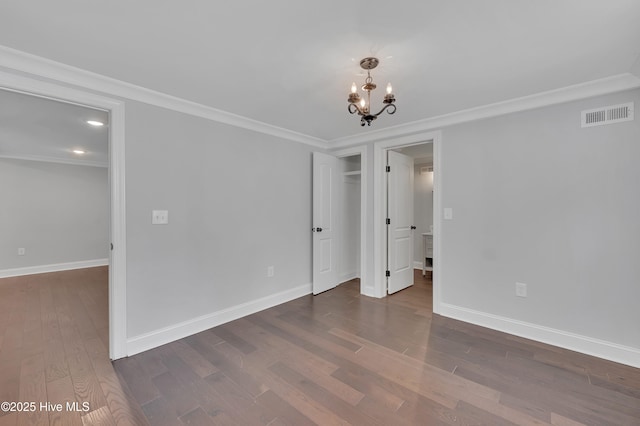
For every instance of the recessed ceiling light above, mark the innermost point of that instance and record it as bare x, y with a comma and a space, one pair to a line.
78, 151
95, 123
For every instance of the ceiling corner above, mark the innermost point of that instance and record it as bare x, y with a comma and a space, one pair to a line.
56, 72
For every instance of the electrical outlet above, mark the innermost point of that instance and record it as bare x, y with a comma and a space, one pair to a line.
270, 271
521, 290
159, 217
21, 251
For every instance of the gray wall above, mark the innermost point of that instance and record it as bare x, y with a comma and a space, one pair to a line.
59, 213
238, 202
539, 200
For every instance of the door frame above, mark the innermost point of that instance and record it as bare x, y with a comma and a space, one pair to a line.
365, 287
379, 209
117, 258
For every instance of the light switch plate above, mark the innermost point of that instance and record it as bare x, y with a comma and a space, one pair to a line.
448, 213
159, 217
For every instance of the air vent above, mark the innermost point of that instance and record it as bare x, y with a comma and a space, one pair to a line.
607, 115
426, 169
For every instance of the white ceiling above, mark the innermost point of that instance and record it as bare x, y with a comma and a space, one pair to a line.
421, 154
36, 128
290, 63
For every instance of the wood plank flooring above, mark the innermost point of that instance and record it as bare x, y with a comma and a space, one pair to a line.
336, 358
54, 335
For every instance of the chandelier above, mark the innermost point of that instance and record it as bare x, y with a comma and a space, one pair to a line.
363, 107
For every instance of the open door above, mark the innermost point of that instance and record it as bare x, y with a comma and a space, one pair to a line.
400, 221
325, 212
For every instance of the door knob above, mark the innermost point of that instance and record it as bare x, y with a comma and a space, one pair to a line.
316, 229
413, 227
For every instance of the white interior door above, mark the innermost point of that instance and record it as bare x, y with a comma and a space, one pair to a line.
325, 211
400, 227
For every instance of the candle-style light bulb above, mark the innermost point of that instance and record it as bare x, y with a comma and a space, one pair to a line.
354, 88
389, 88
362, 102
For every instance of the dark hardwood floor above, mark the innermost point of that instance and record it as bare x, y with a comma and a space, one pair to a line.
54, 335
335, 358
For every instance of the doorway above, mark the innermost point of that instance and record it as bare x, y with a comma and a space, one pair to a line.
115, 161
409, 214
339, 227
380, 237
349, 218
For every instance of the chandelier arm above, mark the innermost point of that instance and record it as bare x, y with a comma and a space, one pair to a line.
386, 108
355, 109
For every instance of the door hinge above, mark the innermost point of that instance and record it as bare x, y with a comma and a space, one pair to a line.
388, 221
111, 246
388, 169
388, 273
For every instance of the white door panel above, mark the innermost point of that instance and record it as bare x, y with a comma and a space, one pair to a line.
403, 248
400, 213
325, 196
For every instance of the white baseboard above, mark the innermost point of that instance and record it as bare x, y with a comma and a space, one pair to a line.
575, 342
418, 265
178, 331
41, 269
347, 277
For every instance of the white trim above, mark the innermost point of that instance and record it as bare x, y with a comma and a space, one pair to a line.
183, 329
616, 83
118, 260
379, 209
347, 277
365, 286
118, 256
36, 65
55, 267
69, 161
436, 276
24, 62
572, 341
420, 265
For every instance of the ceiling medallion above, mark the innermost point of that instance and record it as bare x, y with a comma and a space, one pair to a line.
363, 107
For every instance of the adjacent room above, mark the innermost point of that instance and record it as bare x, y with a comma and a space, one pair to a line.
322, 213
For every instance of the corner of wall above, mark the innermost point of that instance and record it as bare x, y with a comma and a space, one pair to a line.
178, 331
575, 342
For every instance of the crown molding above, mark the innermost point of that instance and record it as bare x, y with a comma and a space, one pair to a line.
69, 161
17, 60
603, 86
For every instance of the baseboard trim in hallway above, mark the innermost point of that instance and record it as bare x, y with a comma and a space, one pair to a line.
55, 267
